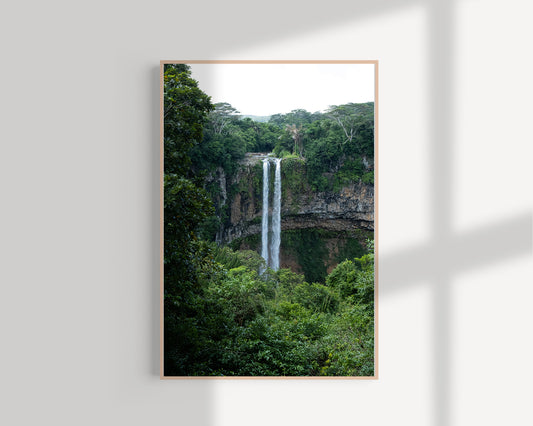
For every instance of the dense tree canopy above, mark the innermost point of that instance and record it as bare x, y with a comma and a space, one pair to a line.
186, 206
186, 110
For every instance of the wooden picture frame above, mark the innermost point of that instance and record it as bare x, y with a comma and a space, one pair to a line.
355, 167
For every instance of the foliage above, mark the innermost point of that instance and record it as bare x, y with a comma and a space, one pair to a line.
186, 110
233, 259
285, 326
224, 313
351, 171
221, 116
355, 278
353, 119
293, 176
350, 344
351, 245
368, 178
310, 250
308, 246
186, 258
275, 323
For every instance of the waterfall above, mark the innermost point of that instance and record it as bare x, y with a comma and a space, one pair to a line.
264, 224
276, 217
271, 254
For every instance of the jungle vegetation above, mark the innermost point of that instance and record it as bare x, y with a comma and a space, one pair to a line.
224, 314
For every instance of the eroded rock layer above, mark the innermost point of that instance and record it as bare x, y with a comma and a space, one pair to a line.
347, 209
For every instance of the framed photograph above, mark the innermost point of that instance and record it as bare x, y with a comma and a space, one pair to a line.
268, 219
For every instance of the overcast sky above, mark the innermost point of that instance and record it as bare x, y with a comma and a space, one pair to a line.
266, 89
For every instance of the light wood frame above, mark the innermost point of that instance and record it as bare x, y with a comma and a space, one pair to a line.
376, 210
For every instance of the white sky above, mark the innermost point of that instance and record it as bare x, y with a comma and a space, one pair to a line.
266, 89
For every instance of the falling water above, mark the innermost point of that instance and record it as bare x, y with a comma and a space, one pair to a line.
264, 224
276, 217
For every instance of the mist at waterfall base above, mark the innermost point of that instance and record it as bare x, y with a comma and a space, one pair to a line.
271, 252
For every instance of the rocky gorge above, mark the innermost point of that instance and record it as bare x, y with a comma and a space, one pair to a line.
323, 224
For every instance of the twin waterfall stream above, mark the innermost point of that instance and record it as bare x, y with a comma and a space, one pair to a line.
270, 252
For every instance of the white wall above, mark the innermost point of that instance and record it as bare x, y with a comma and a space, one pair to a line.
79, 191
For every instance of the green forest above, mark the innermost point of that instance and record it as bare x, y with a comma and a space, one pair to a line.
225, 312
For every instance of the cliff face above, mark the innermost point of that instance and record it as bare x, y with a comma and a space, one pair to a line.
349, 209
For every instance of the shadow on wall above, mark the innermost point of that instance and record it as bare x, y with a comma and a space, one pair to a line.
446, 253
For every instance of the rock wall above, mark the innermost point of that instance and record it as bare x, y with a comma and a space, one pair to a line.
350, 208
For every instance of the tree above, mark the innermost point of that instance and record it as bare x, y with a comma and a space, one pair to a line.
356, 278
186, 110
300, 117
222, 115
351, 117
296, 135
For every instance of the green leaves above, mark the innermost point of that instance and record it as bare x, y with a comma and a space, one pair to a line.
286, 326
186, 264
245, 324
352, 118
354, 279
186, 110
